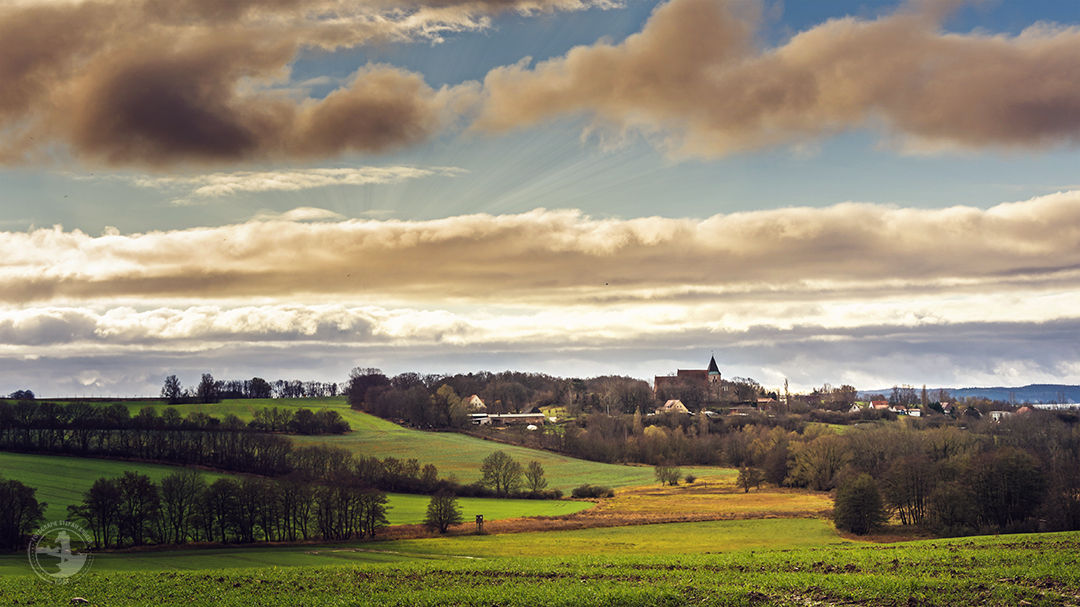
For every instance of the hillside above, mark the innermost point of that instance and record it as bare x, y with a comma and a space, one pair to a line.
450, 452
1032, 393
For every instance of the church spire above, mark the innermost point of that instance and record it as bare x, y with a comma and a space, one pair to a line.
713, 369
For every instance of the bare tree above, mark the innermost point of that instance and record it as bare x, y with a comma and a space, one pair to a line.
534, 476
500, 472
442, 512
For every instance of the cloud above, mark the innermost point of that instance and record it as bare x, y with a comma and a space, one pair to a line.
161, 84
167, 82
565, 257
695, 81
1008, 353
216, 185
299, 214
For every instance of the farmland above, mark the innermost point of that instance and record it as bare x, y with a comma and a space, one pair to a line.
449, 451
1038, 570
62, 481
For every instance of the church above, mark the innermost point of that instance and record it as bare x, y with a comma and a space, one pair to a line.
709, 378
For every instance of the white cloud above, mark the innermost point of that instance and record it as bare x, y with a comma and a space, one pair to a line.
203, 188
298, 214
848, 252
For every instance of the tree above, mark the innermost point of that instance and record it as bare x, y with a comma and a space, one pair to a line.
180, 494
907, 487
22, 395
20, 513
748, 477
859, 507
259, 388
1008, 485
951, 510
100, 510
360, 381
667, 474
139, 504
172, 391
443, 511
373, 512
500, 472
207, 392
818, 462
534, 477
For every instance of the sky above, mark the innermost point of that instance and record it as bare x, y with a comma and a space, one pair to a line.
843, 192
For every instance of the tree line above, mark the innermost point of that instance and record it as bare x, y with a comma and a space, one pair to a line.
1019, 475
197, 439
328, 494
133, 510
209, 390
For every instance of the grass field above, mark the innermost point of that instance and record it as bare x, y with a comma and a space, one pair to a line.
411, 509
663, 539
670, 539
62, 481
1036, 570
449, 451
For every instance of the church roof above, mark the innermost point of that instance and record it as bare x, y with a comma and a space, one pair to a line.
713, 369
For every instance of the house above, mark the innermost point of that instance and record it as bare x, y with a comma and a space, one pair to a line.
476, 404
879, 405
855, 407
999, 415
673, 406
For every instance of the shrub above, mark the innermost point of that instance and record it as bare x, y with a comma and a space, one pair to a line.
585, 491
859, 507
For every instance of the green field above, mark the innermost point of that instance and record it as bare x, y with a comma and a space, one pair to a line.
449, 451
62, 481
1040, 570
669, 539
666, 539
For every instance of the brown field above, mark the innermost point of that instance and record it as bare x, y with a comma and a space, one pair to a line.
712, 498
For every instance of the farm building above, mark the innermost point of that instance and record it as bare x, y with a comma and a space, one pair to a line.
507, 419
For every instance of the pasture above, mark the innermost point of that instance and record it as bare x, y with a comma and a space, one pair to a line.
61, 481
1037, 570
449, 451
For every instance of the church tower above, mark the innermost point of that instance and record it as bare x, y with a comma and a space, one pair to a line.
715, 384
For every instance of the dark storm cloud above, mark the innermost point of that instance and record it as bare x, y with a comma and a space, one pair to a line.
154, 82
159, 83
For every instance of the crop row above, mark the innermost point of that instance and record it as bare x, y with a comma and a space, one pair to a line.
1040, 570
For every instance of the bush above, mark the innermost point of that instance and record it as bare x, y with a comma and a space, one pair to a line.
859, 507
585, 491
690, 478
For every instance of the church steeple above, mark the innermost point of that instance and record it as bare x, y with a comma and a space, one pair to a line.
713, 369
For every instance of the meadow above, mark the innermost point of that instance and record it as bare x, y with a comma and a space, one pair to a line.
451, 452
1037, 570
61, 481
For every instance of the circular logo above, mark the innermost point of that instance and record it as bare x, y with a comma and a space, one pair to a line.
60, 551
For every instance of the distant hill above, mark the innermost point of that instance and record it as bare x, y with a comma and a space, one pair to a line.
1033, 393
